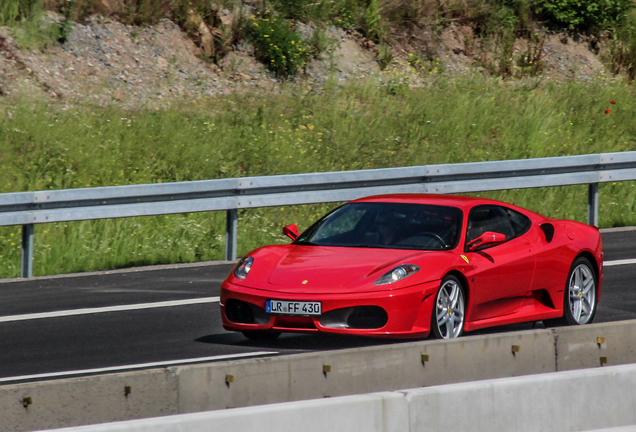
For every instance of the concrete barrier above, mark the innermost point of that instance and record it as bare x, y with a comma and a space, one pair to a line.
86, 400
258, 381
564, 401
363, 370
379, 412
597, 345
576, 401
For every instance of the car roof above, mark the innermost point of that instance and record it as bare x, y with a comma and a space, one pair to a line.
463, 202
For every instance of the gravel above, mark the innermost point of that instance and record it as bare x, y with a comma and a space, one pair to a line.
105, 62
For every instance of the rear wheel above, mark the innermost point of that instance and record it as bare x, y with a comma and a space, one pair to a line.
579, 303
261, 335
449, 311
580, 293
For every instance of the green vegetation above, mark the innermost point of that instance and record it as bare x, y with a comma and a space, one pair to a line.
279, 47
357, 126
15, 10
621, 56
65, 27
583, 15
24, 17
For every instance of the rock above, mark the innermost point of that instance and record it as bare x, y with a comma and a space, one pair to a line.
368, 44
207, 40
226, 17
162, 62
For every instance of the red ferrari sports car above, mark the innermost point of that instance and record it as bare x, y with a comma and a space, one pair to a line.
412, 265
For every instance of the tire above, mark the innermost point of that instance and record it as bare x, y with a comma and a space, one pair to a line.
449, 311
579, 306
579, 296
261, 335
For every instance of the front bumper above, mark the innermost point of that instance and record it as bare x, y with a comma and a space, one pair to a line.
407, 311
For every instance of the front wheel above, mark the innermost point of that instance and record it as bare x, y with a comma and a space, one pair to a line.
449, 311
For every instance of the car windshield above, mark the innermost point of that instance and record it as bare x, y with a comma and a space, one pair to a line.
387, 225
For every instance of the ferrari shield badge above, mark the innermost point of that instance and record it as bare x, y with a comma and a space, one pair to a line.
466, 259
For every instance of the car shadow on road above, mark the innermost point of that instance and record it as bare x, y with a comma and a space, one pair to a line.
326, 342
293, 341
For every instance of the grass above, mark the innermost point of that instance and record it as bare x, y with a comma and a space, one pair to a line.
24, 18
301, 129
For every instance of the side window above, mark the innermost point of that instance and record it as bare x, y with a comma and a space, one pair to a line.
488, 218
520, 223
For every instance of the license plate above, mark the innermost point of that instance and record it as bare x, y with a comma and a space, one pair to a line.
285, 307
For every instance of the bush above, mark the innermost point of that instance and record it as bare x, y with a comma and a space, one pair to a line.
586, 15
373, 28
621, 53
64, 28
501, 27
12, 11
277, 45
24, 18
145, 12
342, 13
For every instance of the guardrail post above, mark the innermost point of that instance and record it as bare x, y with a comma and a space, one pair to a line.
592, 204
27, 251
231, 230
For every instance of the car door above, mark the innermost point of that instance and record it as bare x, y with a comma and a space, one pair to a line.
503, 273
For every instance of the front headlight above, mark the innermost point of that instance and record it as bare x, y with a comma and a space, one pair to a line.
398, 273
243, 267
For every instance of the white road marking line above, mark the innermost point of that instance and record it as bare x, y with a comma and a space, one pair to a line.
139, 366
619, 262
87, 311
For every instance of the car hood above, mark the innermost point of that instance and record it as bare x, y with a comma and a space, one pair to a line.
302, 269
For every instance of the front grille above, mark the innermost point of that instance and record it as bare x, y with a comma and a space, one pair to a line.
367, 317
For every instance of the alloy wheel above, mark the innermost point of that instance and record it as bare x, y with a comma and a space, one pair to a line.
582, 294
450, 309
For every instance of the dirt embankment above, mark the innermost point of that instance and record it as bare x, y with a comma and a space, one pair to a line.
106, 62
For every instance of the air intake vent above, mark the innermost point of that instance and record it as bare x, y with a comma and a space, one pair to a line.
241, 312
357, 317
548, 230
367, 317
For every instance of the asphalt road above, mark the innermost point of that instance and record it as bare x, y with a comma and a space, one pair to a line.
51, 327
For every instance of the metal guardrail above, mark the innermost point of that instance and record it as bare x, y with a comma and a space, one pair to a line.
29, 208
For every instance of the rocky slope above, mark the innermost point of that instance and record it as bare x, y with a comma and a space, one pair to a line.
106, 62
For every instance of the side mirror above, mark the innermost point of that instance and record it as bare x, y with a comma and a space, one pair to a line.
488, 238
291, 231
